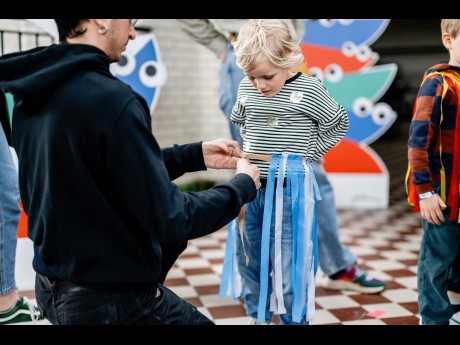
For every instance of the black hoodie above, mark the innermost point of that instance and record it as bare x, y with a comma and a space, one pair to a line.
93, 180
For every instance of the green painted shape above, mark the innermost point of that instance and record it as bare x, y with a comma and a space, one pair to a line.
371, 83
10, 102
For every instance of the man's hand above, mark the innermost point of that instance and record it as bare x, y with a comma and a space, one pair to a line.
431, 209
245, 167
221, 153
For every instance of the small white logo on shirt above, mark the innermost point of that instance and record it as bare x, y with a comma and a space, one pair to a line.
296, 96
272, 121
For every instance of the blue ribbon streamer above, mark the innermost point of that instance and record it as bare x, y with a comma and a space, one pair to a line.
265, 244
295, 178
296, 172
313, 229
228, 269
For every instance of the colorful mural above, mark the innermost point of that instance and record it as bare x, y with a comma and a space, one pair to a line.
141, 68
337, 51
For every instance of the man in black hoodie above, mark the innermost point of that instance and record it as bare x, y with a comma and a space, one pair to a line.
97, 187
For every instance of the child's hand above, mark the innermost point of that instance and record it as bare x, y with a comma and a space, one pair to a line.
431, 209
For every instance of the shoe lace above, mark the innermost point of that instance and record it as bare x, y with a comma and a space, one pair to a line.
361, 273
32, 309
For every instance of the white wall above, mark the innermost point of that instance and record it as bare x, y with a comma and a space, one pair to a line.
188, 106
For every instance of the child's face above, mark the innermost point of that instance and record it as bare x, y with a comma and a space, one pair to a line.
267, 78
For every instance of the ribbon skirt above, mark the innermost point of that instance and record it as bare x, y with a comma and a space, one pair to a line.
300, 181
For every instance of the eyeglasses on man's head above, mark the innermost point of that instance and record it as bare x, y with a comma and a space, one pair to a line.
133, 21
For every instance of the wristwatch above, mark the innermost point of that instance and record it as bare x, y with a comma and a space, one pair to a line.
426, 195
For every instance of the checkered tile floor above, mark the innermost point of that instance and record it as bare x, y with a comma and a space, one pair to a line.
387, 249
385, 241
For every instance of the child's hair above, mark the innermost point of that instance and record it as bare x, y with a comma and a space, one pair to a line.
272, 40
450, 26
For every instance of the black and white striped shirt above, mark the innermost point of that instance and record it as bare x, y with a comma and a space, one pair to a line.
302, 118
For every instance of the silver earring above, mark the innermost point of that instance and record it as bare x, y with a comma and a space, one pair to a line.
102, 29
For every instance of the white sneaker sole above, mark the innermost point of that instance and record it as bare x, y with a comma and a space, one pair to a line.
454, 322
331, 284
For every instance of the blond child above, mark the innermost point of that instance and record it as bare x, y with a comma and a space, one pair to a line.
291, 118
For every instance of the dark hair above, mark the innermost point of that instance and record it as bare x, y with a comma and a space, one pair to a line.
69, 28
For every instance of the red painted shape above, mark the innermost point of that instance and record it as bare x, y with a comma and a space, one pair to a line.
22, 227
350, 157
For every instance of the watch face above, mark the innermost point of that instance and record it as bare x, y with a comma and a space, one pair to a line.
425, 195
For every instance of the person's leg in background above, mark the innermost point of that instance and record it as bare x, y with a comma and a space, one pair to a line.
337, 262
230, 78
13, 309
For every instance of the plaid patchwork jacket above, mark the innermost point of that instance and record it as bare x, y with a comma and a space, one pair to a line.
434, 137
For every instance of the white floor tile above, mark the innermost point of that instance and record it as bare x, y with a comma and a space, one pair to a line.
372, 242
184, 291
206, 312
213, 254
175, 273
400, 295
192, 263
390, 309
233, 321
408, 282
207, 241
323, 317
367, 322
385, 265
215, 301
398, 255
335, 302
203, 279
407, 246
360, 250
191, 249
217, 269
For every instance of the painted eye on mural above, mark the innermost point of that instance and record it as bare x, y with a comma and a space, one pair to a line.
382, 113
316, 72
125, 66
345, 21
333, 73
327, 22
349, 48
152, 73
363, 53
362, 106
